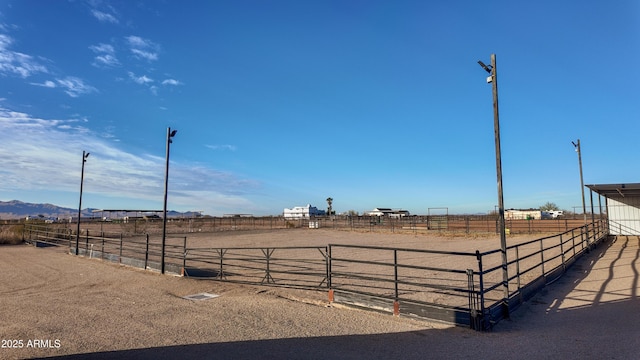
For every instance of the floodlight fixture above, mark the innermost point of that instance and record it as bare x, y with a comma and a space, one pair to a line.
575, 145
487, 68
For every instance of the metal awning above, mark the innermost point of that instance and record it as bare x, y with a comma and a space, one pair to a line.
616, 190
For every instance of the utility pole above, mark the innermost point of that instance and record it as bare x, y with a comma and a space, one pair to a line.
85, 155
493, 79
170, 134
584, 205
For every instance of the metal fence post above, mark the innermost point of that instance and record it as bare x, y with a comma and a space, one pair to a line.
326, 263
221, 252
573, 242
481, 320
518, 270
120, 257
267, 254
542, 256
329, 284
473, 305
146, 253
184, 256
396, 303
586, 229
564, 264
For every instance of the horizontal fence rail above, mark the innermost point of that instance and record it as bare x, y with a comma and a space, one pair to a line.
455, 287
426, 285
463, 288
301, 266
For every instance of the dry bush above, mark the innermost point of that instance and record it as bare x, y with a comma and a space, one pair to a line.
11, 234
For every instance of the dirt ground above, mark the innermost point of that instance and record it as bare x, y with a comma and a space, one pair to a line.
57, 305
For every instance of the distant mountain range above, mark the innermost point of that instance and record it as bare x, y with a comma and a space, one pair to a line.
15, 209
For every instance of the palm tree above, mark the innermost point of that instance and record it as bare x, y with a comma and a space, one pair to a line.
329, 202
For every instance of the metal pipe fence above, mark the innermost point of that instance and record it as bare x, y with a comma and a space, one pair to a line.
293, 266
408, 224
43, 234
141, 251
463, 288
421, 282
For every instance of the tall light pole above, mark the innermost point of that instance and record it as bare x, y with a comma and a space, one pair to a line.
85, 155
493, 80
584, 206
170, 134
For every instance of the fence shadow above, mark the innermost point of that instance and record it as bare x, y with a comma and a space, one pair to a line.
598, 294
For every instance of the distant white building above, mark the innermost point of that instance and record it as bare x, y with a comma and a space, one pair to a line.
531, 214
514, 214
302, 212
387, 212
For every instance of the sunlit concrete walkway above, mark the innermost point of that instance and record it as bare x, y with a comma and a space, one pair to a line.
592, 312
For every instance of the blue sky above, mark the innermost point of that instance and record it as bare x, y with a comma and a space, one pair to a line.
284, 103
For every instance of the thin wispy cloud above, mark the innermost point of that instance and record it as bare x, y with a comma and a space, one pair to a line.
7, 27
144, 54
17, 63
75, 87
171, 82
142, 80
41, 154
222, 147
105, 56
102, 48
48, 84
142, 48
23, 65
104, 17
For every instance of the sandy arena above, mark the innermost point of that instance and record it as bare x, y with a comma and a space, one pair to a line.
58, 305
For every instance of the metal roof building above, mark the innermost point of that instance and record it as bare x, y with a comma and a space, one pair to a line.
623, 207
302, 212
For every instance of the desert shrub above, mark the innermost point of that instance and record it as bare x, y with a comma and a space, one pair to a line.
11, 234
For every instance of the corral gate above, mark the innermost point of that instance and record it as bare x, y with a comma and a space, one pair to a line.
438, 218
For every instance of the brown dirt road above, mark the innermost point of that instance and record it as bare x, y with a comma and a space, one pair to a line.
56, 305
